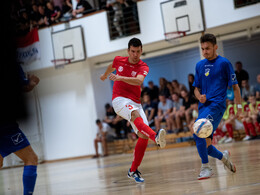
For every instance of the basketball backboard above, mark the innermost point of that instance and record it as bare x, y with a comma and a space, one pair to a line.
182, 16
69, 45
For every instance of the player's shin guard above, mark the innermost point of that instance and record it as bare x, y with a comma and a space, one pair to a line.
202, 148
140, 148
29, 179
214, 152
229, 130
144, 129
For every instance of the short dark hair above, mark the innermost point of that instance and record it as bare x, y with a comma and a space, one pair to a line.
239, 62
208, 38
107, 106
135, 43
98, 121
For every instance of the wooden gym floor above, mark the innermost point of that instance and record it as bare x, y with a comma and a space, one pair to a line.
169, 171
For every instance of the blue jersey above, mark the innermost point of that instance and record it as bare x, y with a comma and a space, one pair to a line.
213, 77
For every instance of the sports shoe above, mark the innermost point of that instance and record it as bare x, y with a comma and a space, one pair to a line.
136, 176
227, 162
160, 138
205, 173
246, 138
229, 140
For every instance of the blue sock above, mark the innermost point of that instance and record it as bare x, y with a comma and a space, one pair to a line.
214, 152
29, 179
202, 148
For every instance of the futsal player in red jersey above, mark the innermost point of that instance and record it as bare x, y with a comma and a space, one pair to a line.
130, 74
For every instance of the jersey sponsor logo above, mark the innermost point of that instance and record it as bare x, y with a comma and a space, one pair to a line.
17, 138
145, 73
233, 77
133, 73
209, 65
120, 68
207, 70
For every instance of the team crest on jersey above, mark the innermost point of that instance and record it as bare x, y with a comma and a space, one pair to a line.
120, 68
233, 77
207, 70
133, 73
145, 72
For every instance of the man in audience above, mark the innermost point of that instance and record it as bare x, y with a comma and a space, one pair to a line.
154, 91
246, 90
241, 74
83, 7
104, 133
53, 14
163, 114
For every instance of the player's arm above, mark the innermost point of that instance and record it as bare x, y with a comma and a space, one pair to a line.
130, 80
201, 98
109, 70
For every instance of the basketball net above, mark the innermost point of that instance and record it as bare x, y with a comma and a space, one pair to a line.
174, 38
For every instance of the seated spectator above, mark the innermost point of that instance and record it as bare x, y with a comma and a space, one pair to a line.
52, 13
241, 74
42, 20
83, 7
195, 113
150, 109
177, 87
66, 10
163, 114
24, 23
104, 133
115, 121
184, 114
34, 15
191, 87
250, 119
144, 90
153, 91
257, 87
163, 87
246, 90
177, 103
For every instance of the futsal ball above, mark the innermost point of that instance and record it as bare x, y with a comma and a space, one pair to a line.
203, 128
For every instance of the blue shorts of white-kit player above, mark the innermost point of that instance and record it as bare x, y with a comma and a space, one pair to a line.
213, 111
12, 139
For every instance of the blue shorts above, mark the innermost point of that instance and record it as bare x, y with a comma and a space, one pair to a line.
12, 139
212, 111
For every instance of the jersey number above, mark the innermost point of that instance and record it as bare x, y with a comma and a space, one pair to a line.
129, 107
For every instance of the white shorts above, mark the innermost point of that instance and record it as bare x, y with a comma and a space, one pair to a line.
124, 107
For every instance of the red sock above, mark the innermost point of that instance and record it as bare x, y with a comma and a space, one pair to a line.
246, 128
144, 129
251, 127
140, 148
229, 130
257, 126
220, 132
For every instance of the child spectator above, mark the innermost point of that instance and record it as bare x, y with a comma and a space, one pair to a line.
150, 109
257, 88
177, 103
163, 114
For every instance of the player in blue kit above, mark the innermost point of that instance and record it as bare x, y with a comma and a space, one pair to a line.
213, 75
12, 139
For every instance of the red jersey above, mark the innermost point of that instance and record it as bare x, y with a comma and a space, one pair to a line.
125, 68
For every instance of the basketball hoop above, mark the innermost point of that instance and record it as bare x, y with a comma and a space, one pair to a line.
174, 37
60, 63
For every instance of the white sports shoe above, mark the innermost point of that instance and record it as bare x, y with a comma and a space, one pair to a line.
205, 173
229, 140
222, 140
246, 138
160, 138
227, 162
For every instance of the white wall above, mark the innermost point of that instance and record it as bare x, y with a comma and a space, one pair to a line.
222, 12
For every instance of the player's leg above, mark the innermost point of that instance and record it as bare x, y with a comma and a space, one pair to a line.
30, 160
251, 127
244, 119
229, 125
